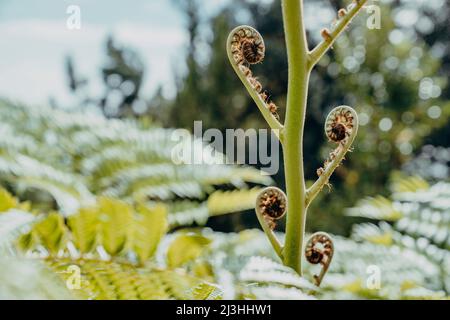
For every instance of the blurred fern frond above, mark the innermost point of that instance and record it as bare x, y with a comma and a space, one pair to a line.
210, 265
110, 280
422, 226
404, 184
101, 252
73, 158
379, 208
111, 228
25, 279
13, 223
103, 195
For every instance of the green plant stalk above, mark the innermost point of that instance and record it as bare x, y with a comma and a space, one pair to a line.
276, 244
298, 79
341, 25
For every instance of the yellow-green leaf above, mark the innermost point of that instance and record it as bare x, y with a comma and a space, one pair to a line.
116, 222
51, 232
150, 226
185, 248
84, 227
223, 202
7, 201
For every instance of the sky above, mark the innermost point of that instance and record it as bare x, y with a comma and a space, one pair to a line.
35, 39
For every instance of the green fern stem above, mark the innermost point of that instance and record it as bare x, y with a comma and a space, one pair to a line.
298, 80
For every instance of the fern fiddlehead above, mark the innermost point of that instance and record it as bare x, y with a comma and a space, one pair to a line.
271, 205
319, 250
341, 127
245, 47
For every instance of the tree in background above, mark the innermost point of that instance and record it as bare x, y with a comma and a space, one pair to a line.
188, 98
122, 76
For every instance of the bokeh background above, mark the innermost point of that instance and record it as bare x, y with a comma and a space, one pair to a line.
165, 62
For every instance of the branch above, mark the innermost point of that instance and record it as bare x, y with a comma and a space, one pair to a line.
330, 37
341, 127
251, 84
271, 205
274, 241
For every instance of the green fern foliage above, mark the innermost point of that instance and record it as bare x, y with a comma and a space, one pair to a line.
402, 184
7, 201
110, 280
185, 248
186, 212
367, 270
105, 200
116, 222
65, 158
101, 252
13, 223
421, 226
84, 227
377, 207
25, 279
112, 228
150, 227
207, 291
244, 267
50, 232
222, 202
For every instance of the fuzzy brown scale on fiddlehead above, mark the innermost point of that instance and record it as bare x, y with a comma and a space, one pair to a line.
342, 13
273, 109
319, 250
271, 204
264, 96
320, 171
326, 35
246, 71
247, 48
253, 51
256, 85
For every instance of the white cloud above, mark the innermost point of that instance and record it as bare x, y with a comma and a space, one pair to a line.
33, 51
